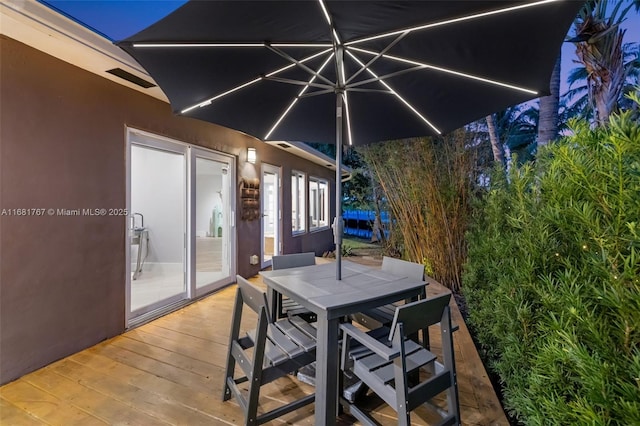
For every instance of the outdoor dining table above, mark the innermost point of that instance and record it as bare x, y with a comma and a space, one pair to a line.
317, 289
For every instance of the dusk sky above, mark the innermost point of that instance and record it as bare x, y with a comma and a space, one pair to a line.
118, 19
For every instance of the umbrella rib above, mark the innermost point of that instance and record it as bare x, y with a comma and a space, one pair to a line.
358, 89
249, 83
386, 76
299, 82
317, 93
397, 95
448, 71
304, 89
452, 21
377, 56
300, 64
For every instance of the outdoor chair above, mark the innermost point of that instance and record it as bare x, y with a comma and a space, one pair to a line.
285, 307
383, 315
387, 363
271, 351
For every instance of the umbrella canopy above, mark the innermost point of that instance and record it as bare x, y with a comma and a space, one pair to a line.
318, 71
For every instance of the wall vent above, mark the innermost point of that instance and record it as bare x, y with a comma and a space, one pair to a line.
119, 72
284, 145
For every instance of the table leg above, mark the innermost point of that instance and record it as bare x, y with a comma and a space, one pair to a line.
327, 369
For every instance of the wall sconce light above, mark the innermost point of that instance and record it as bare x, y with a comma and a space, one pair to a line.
251, 155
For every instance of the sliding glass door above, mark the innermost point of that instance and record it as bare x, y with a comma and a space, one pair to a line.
181, 233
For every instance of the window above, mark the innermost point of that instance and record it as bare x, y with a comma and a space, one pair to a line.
318, 203
298, 198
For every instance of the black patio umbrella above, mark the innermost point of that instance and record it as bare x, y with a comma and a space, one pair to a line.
365, 71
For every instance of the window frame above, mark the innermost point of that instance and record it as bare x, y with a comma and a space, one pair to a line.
298, 202
322, 204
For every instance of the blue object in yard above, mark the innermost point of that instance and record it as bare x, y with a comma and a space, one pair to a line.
359, 222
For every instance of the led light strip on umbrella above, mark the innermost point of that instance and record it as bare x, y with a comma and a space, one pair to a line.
234, 45
422, 65
249, 83
452, 21
304, 89
396, 94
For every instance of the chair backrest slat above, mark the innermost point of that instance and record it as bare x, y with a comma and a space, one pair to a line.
403, 268
286, 261
252, 296
415, 316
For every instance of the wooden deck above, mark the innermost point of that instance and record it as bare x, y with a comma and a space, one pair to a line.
170, 371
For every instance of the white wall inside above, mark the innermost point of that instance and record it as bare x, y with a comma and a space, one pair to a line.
209, 210
270, 203
158, 192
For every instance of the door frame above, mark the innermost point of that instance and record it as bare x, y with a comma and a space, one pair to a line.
277, 171
159, 143
229, 220
190, 152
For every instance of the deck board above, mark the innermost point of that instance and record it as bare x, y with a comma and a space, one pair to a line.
11, 414
101, 405
170, 371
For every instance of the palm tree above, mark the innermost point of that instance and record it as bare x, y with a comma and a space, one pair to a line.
600, 50
496, 146
548, 112
577, 97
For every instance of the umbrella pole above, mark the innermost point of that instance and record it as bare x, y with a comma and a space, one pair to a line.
338, 225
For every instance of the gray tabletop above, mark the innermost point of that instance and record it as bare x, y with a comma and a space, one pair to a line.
316, 288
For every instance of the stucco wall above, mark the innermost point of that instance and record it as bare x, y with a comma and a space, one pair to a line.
62, 146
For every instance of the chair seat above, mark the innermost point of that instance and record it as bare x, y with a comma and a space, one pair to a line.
287, 339
366, 359
383, 371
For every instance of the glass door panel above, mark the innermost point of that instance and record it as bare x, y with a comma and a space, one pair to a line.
157, 228
212, 224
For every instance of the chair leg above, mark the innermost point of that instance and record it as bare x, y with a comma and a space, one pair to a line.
452, 403
425, 338
251, 415
235, 332
404, 418
255, 378
400, 373
453, 406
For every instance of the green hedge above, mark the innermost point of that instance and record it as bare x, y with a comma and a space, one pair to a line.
552, 279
